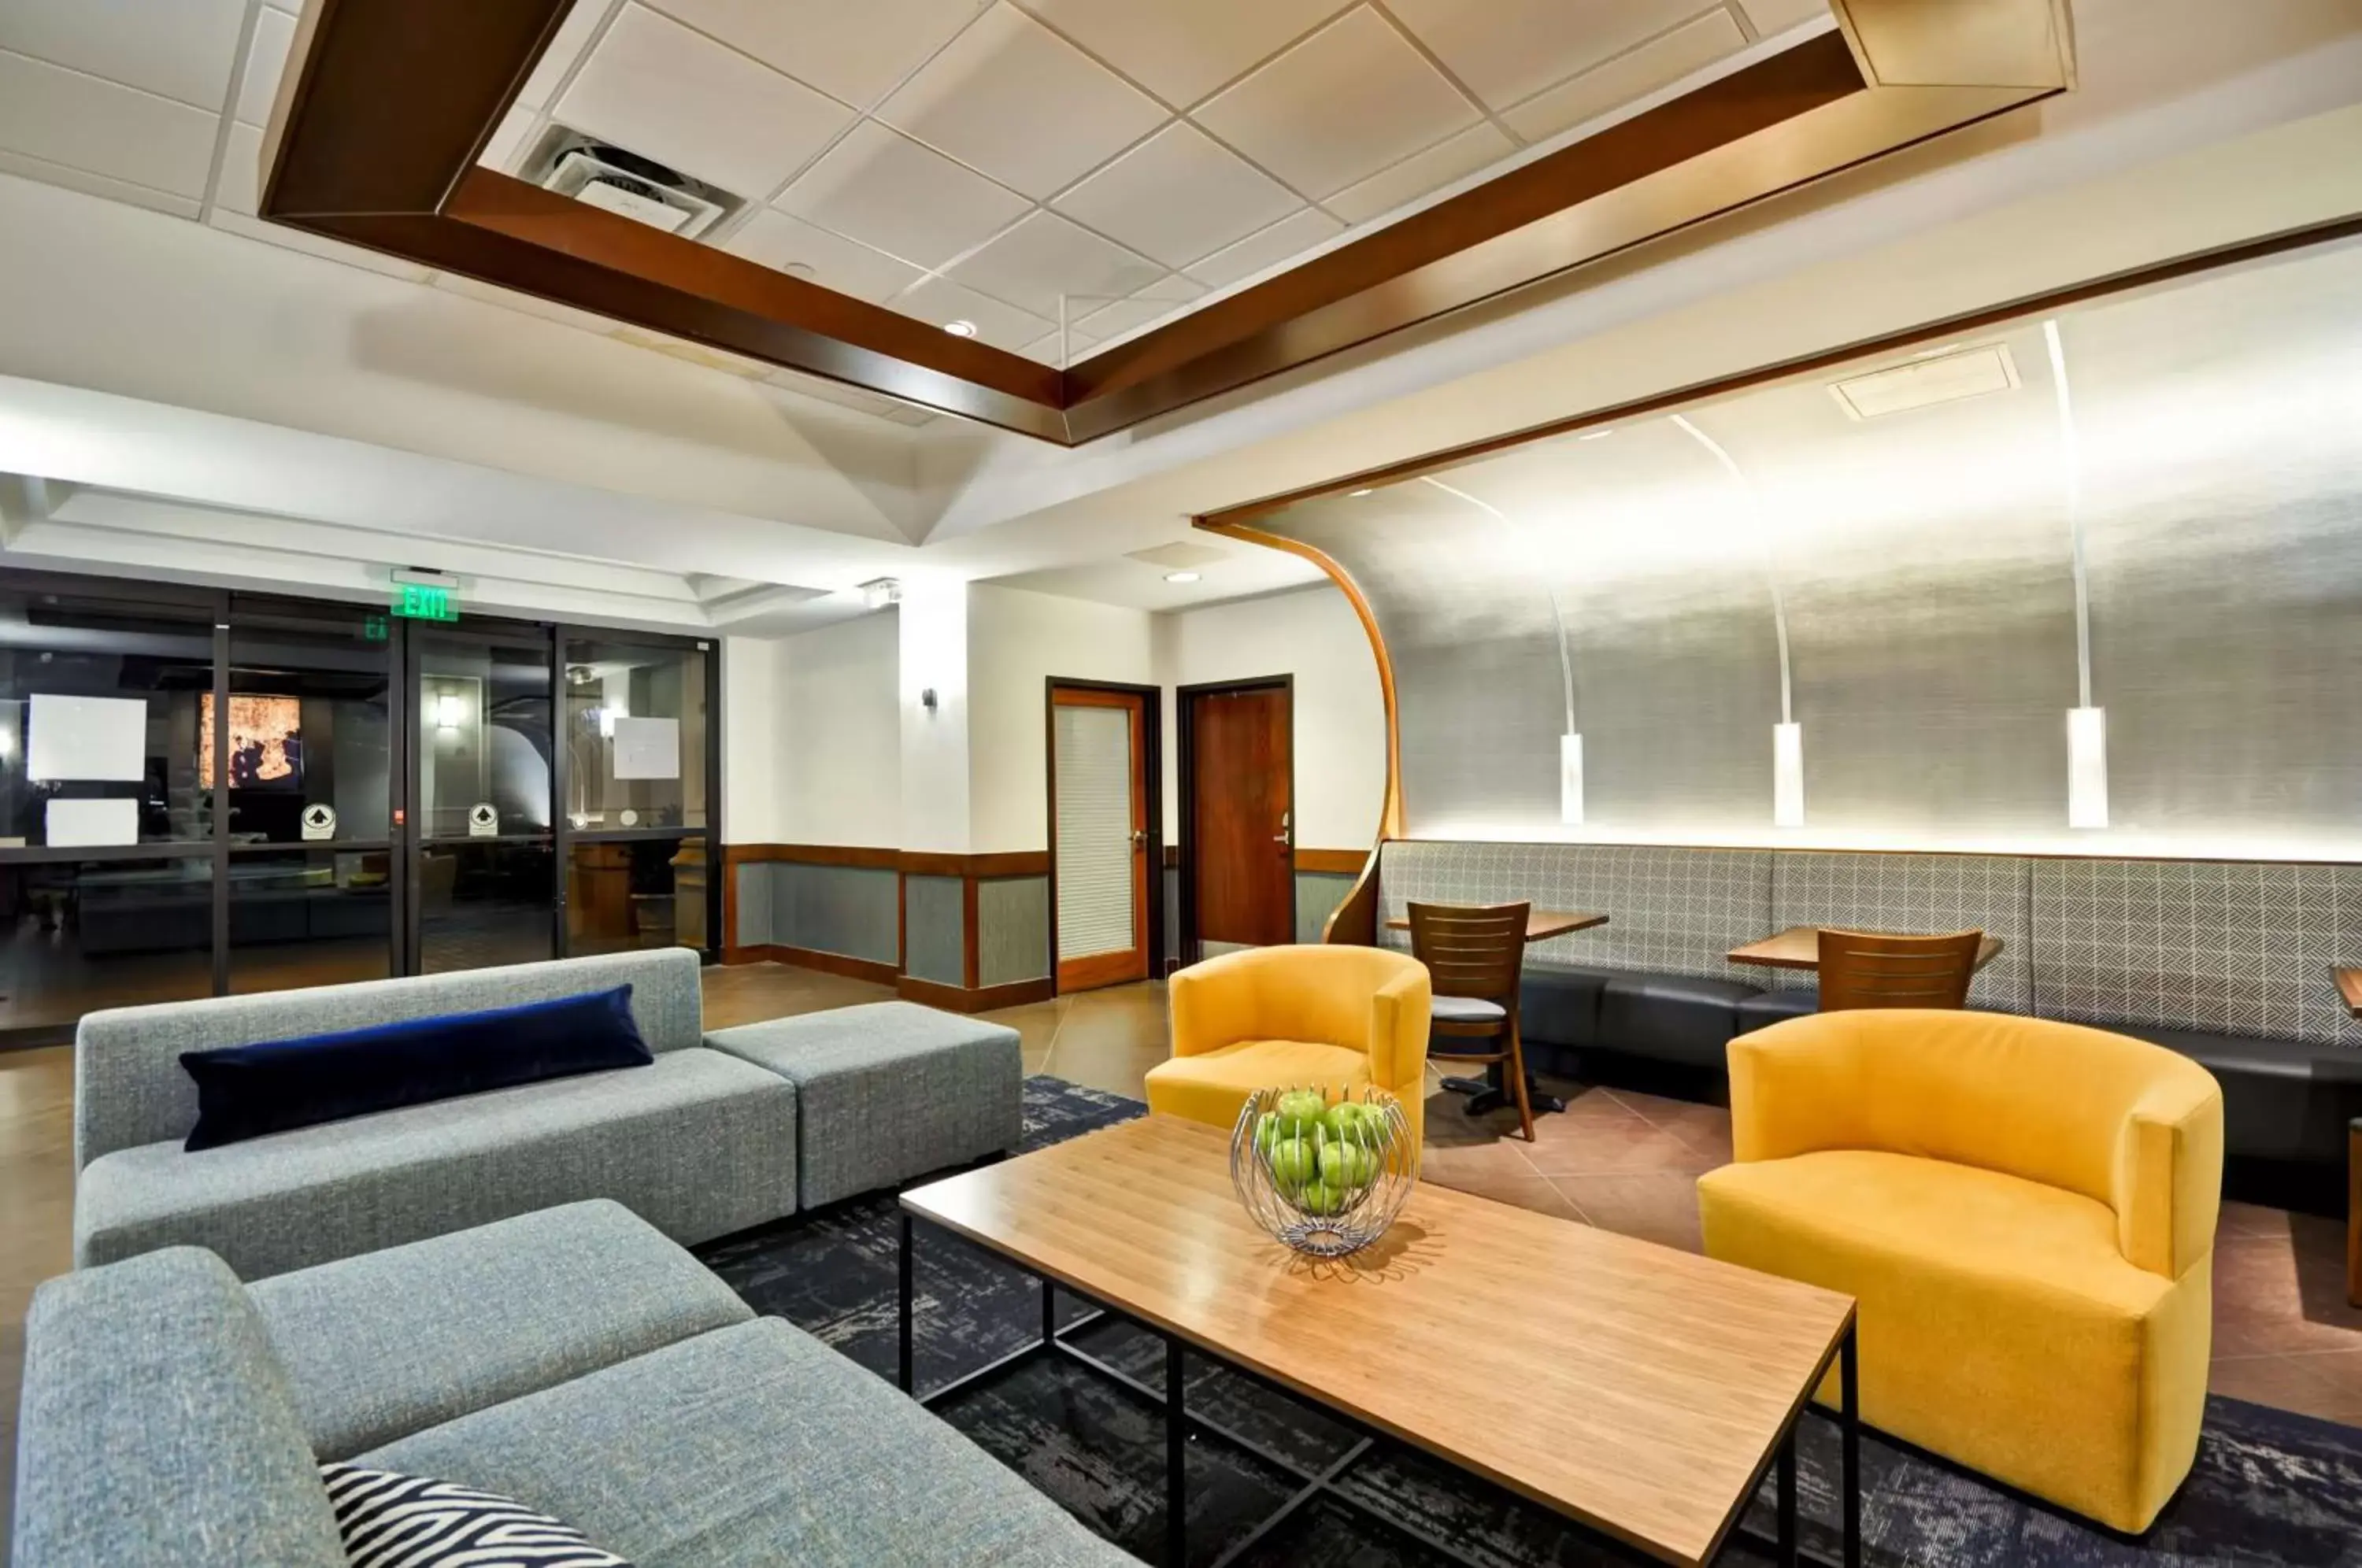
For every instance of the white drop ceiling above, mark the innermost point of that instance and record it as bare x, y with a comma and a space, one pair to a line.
1103, 164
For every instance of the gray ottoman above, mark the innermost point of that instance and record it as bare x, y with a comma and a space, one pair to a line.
888, 1092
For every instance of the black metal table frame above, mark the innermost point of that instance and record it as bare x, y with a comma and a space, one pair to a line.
1314, 1485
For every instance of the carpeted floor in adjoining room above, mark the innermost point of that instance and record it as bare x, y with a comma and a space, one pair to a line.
2269, 1487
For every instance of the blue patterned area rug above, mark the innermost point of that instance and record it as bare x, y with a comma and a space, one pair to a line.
2269, 1487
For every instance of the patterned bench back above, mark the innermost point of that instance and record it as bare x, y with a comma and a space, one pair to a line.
2233, 947
2230, 947
1920, 893
1672, 911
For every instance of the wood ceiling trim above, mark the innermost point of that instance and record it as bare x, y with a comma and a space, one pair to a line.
376, 134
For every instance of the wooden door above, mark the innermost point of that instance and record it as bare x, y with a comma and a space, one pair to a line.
1241, 832
1098, 809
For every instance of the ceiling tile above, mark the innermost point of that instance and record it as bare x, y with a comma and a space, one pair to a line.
1013, 99
67, 117
1338, 107
1413, 177
1635, 75
1174, 286
182, 48
1183, 50
666, 92
508, 140
240, 186
1779, 15
266, 61
1127, 315
939, 300
1078, 345
1046, 256
1290, 237
574, 36
894, 196
1509, 49
1178, 196
778, 240
98, 185
856, 49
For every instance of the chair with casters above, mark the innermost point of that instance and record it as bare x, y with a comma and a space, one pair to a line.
1863, 968
1338, 1018
1474, 957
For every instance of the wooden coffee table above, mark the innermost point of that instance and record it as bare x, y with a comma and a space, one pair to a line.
1639, 1391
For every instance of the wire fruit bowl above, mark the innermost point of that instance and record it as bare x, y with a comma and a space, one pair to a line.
1324, 1171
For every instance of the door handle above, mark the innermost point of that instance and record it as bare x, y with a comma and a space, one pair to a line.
1139, 838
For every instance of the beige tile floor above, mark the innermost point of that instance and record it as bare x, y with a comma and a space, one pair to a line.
2283, 1333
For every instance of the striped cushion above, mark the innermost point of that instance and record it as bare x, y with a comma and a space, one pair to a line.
388, 1519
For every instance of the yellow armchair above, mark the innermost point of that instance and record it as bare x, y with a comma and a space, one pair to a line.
1339, 1017
2025, 1211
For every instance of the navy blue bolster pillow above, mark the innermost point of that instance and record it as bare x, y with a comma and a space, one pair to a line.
245, 1091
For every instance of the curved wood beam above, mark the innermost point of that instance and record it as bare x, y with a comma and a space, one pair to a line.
1355, 918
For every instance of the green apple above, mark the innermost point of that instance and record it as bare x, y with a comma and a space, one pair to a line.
1346, 1166
1343, 1120
1293, 1164
1266, 1132
1324, 1199
1299, 1111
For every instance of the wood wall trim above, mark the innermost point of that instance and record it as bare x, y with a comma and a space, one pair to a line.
1332, 862
999, 863
389, 102
1390, 809
985, 998
867, 858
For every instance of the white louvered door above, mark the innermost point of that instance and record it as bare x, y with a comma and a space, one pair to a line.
1099, 785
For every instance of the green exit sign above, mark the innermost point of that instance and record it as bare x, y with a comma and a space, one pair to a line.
419, 601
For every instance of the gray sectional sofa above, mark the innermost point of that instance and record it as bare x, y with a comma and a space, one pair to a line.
707, 1140
574, 1360
700, 1145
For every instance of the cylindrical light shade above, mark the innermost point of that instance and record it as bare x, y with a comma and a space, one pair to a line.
1787, 776
1570, 780
2087, 767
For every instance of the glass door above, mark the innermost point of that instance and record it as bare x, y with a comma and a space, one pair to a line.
480, 825
638, 756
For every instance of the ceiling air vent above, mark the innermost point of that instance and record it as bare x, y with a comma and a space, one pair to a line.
1948, 375
622, 181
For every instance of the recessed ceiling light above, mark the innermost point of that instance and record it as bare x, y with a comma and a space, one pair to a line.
798, 270
1180, 577
1359, 493
960, 328
1594, 434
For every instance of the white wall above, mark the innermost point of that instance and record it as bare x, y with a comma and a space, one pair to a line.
834, 771
1017, 640
753, 804
1340, 722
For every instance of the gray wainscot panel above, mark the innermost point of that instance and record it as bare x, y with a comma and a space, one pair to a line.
837, 909
1317, 894
1012, 930
932, 916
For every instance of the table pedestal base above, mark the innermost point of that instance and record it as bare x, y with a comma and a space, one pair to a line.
1490, 1093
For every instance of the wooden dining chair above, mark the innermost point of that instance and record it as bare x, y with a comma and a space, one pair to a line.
1862, 969
1474, 957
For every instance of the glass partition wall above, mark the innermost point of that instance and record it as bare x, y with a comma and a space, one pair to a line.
204, 792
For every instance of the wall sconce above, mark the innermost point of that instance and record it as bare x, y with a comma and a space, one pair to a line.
1570, 780
2087, 767
450, 712
1788, 774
